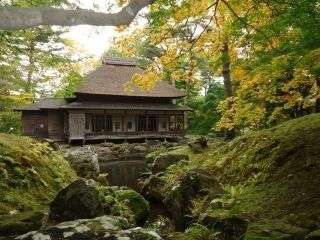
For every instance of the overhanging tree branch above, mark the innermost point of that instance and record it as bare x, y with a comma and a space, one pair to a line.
21, 18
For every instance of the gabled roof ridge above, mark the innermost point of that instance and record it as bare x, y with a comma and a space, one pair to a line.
119, 61
112, 80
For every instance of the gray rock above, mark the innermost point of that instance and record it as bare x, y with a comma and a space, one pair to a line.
84, 160
104, 227
107, 144
192, 185
164, 160
78, 200
139, 148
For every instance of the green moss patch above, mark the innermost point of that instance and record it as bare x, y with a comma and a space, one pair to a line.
31, 174
268, 174
138, 205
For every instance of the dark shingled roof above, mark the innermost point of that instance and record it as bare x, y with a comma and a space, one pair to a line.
125, 106
112, 77
45, 103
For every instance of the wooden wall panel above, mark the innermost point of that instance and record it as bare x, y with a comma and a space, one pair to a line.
56, 125
76, 125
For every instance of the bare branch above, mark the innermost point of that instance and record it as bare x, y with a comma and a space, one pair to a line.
20, 18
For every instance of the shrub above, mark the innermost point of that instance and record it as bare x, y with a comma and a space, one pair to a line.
9, 120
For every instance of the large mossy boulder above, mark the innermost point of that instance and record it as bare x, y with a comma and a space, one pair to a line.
192, 185
152, 188
100, 228
165, 160
139, 206
78, 200
275, 229
84, 161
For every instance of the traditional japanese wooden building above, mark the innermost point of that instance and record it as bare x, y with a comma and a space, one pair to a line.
103, 109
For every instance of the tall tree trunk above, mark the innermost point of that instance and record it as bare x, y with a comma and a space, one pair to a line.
229, 134
28, 87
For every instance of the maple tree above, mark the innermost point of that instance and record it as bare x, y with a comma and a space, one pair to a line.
270, 55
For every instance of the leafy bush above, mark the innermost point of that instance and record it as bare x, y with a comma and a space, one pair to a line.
9, 120
205, 116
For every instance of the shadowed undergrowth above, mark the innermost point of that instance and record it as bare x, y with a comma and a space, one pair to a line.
269, 174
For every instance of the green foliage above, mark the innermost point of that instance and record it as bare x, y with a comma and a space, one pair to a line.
199, 232
205, 114
72, 80
8, 120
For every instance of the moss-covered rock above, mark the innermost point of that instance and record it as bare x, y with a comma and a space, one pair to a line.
152, 188
274, 229
151, 156
193, 185
164, 160
229, 225
138, 205
20, 223
78, 200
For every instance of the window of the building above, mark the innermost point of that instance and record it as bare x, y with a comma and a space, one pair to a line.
117, 125
152, 123
163, 125
141, 123
102, 123
129, 125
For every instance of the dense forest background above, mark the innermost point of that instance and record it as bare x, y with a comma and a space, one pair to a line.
244, 65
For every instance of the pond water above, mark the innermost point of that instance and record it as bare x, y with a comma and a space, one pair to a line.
126, 173
123, 172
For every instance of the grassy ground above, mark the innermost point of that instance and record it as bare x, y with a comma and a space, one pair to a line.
269, 174
31, 174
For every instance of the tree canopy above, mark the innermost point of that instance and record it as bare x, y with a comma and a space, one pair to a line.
265, 52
